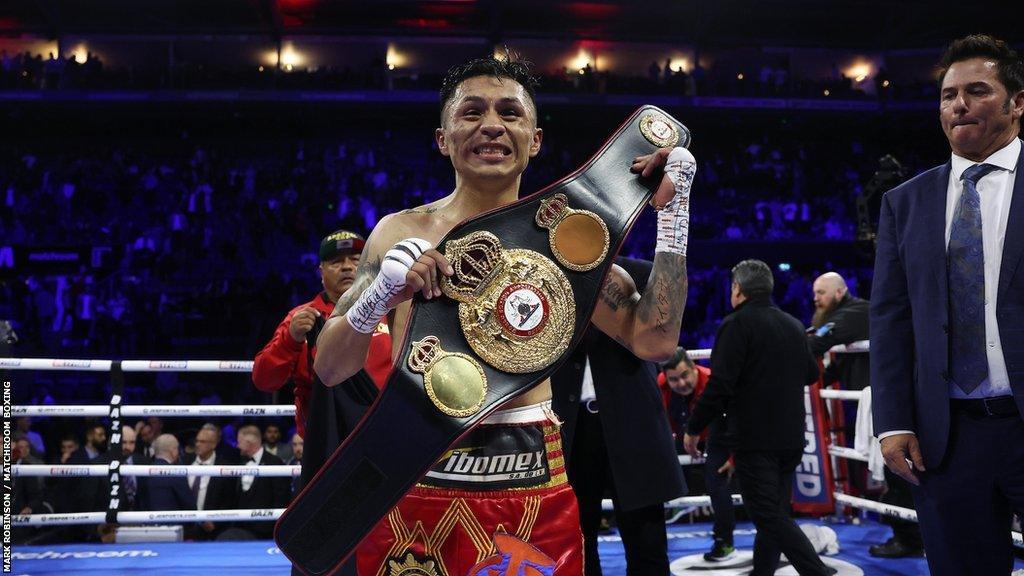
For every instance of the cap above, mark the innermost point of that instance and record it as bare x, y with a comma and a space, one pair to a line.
339, 242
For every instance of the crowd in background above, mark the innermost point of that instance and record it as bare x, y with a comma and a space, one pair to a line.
28, 71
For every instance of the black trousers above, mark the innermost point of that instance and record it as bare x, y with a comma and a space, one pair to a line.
898, 493
766, 483
642, 529
966, 503
719, 491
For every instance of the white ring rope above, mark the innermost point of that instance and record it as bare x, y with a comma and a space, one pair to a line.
683, 502
240, 365
127, 365
853, 395
848, 453
173, 516
897, 511
139, 410
141, 470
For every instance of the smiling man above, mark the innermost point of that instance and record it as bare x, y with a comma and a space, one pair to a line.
462, 509
947, 349
287, 357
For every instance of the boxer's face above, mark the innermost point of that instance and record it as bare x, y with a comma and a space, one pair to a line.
977, 113
489, 129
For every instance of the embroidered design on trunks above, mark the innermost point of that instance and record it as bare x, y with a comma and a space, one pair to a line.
514, 557
459, 515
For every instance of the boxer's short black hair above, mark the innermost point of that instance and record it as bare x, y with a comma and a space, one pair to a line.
512, 66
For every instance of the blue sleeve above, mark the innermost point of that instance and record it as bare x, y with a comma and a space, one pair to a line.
892, 332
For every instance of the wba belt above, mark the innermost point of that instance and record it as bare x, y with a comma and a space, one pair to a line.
527, 277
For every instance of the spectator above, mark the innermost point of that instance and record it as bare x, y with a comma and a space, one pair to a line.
759, 366
273, 443
166, 492
210, 492
682, 383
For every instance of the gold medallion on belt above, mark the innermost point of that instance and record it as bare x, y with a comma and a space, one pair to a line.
454, 382
516, 307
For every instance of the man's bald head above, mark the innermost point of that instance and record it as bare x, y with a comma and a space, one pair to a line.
829, 291
165, 446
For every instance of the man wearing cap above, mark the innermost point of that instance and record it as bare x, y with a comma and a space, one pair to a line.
288, 355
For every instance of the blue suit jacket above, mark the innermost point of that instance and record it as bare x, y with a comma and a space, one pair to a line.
166, 492
910, 309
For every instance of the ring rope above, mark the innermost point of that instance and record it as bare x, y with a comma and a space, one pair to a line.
141, 470
852, 395
848, 453
238, 365
897, 511
173, 516
173, 410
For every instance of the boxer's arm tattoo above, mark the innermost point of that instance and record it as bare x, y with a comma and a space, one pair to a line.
365, 274
665, 297
613, 294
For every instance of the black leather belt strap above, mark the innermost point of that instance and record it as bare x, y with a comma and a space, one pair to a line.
998, 407
403, 433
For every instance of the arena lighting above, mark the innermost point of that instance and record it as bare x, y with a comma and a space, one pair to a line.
393, 58
80, 53
581, 61
677, 63
739, 76
859, 71
290, 58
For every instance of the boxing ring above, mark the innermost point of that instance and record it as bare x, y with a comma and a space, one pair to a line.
686, 542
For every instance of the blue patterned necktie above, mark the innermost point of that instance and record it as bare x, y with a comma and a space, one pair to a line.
965, 255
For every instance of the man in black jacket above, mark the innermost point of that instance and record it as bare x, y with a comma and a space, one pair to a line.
257, 492
615, 435
760, 364
211, 492
840, 318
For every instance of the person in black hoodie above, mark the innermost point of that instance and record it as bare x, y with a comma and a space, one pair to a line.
840, 318
760, 364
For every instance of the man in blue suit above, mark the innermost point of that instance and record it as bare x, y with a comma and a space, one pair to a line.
166, 492
947, 319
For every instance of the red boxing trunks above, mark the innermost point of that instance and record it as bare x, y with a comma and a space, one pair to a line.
496, 504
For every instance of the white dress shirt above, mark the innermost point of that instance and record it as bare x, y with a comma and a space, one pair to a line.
204, 481
996, 191
248, 480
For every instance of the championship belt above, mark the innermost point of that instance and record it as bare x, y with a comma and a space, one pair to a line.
527, 278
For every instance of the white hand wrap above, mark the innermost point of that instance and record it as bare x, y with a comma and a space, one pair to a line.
372, 305
674, 217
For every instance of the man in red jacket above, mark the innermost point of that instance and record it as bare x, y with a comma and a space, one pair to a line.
289, 355
323, 416
682, 382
